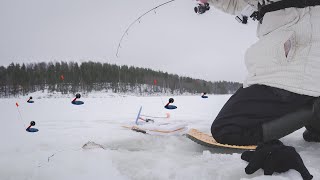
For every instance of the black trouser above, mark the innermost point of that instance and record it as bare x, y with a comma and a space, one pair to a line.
258, 113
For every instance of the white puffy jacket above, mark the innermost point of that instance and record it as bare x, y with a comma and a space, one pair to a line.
287, 54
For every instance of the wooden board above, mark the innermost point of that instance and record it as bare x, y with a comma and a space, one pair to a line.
207, 140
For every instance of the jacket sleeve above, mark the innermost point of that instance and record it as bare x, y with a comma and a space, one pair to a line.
229, 6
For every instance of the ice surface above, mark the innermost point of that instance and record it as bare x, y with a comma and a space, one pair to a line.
56, 152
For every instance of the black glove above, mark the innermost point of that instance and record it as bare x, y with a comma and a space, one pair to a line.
272, 157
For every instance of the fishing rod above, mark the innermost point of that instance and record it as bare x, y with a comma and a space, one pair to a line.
17, 105
138, 19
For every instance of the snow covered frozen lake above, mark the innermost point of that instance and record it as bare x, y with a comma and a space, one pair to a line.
56, 153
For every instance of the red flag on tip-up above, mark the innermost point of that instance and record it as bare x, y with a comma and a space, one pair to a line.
155, 82
17, 104
62, 77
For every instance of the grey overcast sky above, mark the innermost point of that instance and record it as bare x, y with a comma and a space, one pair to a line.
172, 39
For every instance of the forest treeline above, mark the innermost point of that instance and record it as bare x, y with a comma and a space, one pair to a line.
71, 77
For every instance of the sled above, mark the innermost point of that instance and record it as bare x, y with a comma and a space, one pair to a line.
148, 126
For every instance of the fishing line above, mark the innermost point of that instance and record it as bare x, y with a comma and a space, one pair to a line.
138, 20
